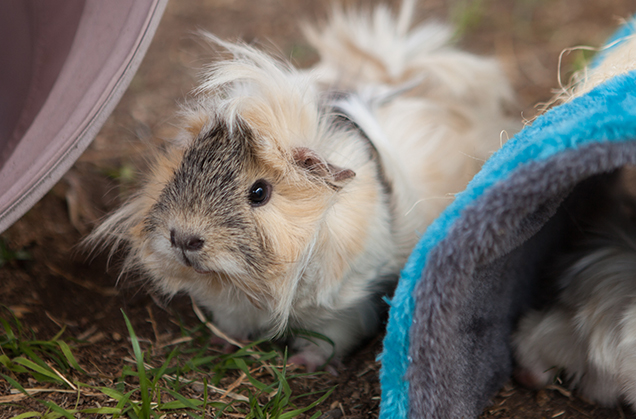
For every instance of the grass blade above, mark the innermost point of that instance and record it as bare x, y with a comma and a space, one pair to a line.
15, 384
39, 369
28, 415
125, 398
58, 334
141, 369
66, 350
162, 370
243, 367
187, 403
54, 407
8, 329
11, 366
291, 414
101, 410
112, 393
27, 348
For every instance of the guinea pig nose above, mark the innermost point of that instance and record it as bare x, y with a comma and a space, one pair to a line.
186, 241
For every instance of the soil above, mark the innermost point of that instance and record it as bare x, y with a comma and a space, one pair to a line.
60, 285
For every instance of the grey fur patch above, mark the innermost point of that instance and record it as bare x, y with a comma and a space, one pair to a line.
210, 189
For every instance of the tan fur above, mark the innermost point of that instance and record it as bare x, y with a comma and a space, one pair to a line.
621, 60
348, 200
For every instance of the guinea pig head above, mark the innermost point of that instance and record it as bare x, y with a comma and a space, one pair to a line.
238, 211
236, 205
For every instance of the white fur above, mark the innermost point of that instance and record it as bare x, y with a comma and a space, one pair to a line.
591, 331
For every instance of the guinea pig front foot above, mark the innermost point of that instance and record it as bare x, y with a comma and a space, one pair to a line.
530, 379
226, 347
313, 359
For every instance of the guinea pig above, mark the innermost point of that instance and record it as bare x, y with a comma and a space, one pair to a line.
589, 333
291, 198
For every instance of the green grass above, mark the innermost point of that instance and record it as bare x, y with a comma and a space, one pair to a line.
125, 173
156, 381
8, 255
582, 58
466, 15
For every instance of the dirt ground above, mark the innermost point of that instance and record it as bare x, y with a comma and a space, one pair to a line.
59, 286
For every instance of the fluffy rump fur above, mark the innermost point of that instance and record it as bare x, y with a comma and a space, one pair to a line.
590, 332
292, 197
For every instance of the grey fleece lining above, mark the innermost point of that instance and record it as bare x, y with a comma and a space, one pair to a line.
480, 278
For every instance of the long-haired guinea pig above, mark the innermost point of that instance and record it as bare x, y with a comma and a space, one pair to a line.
590, 332
292, 197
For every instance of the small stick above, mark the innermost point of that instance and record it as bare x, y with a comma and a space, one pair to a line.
212, 327
222, 335
62, 377
235, 384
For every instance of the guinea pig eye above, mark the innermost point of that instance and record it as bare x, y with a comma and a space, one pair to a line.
259, 193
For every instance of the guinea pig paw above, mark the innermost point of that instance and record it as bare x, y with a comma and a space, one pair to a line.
313, 360
528, 378
333, 366
226, 347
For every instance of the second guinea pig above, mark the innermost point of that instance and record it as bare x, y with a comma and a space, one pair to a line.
589, 332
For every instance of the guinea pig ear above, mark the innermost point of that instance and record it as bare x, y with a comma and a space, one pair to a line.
310, 161
193, 123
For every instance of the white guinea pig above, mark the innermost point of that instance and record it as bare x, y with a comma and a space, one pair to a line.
293, 197
590, 332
